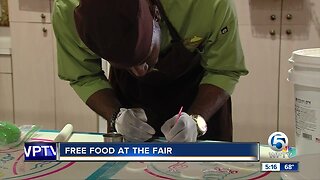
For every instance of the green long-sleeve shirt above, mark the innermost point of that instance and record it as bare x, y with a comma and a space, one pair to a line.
212, 22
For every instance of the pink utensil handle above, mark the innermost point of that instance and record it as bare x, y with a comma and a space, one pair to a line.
179, 114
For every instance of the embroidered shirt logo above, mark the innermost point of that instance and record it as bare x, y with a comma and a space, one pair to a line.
193, 42
224, 30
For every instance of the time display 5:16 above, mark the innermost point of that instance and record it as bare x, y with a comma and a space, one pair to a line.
270, 166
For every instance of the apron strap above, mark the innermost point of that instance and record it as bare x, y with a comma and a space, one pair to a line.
173, 32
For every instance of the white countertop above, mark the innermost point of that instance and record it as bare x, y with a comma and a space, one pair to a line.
5, 51
5, 45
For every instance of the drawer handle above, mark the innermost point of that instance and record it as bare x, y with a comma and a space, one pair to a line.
273, 17
43, 16
289, 16
44, 30
272, 32
289, 31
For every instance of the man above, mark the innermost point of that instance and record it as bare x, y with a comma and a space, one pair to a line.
163, 55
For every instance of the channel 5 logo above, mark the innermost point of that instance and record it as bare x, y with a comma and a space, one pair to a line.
278, 141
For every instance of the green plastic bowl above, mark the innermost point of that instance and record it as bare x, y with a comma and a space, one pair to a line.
9, 133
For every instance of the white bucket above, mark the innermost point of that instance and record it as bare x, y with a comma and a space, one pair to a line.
305, 75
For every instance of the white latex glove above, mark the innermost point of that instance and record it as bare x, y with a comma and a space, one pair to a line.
132, 124
185, 130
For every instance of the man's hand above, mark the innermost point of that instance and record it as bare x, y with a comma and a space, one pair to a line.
132, 124
185, 130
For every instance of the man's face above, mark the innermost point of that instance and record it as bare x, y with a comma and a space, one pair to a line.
151, 60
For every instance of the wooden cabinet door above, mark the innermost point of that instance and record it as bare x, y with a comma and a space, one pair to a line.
6, 98
258, 12
255, 99
305, 33
69, 107
29, 11
33, 74
5, 63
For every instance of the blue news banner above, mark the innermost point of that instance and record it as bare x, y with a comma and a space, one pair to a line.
204, 151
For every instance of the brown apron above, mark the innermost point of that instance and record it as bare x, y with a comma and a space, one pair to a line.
162, 93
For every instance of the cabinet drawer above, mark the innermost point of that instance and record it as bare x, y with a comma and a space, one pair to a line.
5, 63
30, 11
6, 98
33, 74
258, 12
297, 12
